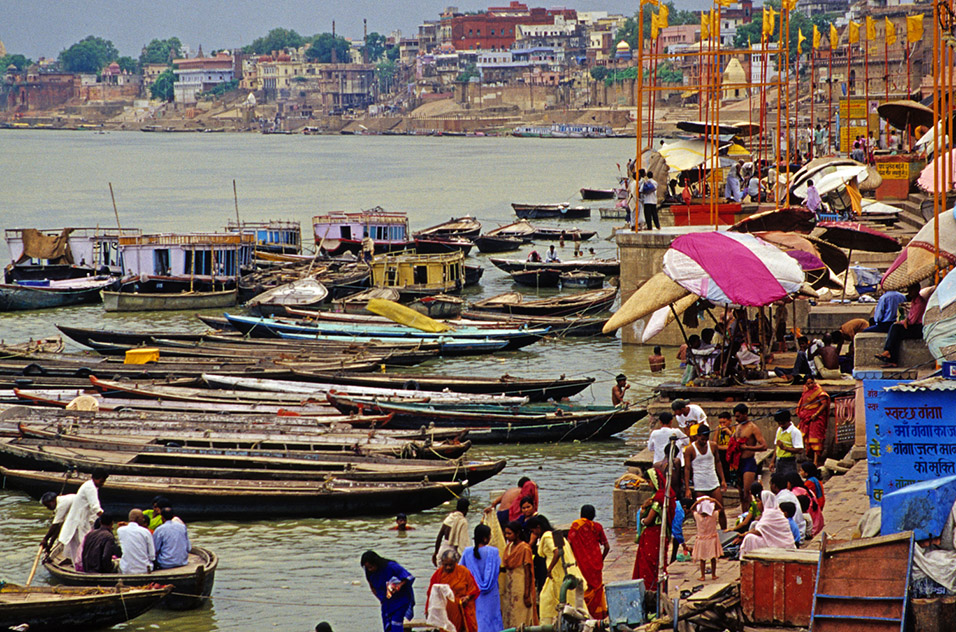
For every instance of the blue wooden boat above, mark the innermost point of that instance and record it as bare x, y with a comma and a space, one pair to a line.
446, 346
46, 294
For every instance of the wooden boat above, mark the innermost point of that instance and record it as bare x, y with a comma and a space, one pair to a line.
514, 303
607, 267
191, 584
551, 211
26, 295
162, 302
540, 277
581, 279
438, 245
467, 227
613, 212
224, 499
273, 236
555, 234
83, 335
498, 243
67, 253
533, 422
55, 608
415, 275
597, 194
438, 306
307, 293
338, 233
446, 346
521, 230
355, 303
473, 274
560, 326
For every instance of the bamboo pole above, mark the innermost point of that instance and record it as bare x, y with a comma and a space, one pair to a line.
115, 212
235, 199
36, 563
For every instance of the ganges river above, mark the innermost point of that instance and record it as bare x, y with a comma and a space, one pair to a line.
291, 574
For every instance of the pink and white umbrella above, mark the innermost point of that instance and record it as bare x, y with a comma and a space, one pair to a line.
926, 176
732, 268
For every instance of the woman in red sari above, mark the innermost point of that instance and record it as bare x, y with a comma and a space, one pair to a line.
590, 547
813, 410
656, 512
461, 611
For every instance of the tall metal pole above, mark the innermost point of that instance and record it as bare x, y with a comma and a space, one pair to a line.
639, 98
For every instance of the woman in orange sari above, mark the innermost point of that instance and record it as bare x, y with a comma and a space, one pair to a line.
813, 410
590, 547
517, 580
461, 611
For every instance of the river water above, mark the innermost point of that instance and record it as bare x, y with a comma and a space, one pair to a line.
290, 574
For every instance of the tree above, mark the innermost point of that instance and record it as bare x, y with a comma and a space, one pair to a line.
385, 72
276, 39
128, 64
162, 88
798, 22
471, 70
392, 53
161, 51
17, 60
322, 46
628, 32
667, 72
88, 55
598, 73
374, 46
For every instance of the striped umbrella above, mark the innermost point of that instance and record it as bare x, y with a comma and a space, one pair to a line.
918, 259
939, 320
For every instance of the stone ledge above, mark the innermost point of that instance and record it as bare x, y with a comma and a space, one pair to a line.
867, 345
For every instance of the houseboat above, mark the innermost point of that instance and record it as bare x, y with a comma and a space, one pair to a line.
276, 236
563, 130
338, 233
67, 253
180, 271
415, 275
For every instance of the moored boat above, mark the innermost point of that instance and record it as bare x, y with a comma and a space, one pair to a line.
581, 279
616, 212
54, 608
521, 229
337, 233
551, 211
539, 277
159, 302
466, 227
355, 303
428, 245
514, 303
27, 295
555, 234
607, 267
597, 194
305, 293
491, 244
438, 306
415, 275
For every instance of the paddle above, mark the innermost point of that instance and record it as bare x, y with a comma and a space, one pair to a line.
406, 316
36, 563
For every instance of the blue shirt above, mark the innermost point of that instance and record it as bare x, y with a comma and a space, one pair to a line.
794, 530
172, 544
887, 308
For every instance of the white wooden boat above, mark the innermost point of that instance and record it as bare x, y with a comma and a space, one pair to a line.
160, 302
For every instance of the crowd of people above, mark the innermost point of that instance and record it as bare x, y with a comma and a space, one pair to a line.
149, 540
509, 571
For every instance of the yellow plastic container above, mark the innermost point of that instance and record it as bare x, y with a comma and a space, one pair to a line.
142, 356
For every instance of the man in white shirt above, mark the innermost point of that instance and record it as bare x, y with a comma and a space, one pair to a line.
60, 506
688, 414
84, 510
788, 444
658, 439
139, 552
454, 532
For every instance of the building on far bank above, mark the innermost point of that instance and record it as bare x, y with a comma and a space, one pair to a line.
197, 75
497, 28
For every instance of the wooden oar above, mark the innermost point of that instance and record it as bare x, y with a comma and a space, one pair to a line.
36, 563
406, 316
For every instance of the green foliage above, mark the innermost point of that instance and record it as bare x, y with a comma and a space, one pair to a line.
221, 88
667, 72
798, 22
88, 55
374, 46
128, 64
385, 73
471, 70
322, 46
162, 88
276, 39
392, 53
617, 76
161, 51
17, 60
598, 73
628, 32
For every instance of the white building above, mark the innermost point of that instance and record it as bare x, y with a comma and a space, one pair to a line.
200, 74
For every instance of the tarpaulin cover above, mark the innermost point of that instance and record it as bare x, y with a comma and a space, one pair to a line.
36, 245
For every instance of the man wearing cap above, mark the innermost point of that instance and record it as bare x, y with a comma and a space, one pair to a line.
617, 392
659, 438
688, 414
788, 444
60, 506
700, 458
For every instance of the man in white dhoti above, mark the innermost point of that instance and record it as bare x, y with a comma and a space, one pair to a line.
84, 511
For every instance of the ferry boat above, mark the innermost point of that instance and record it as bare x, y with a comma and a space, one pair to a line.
276, 236
563, 130
338, 233
415, 275
175, 271
64, 253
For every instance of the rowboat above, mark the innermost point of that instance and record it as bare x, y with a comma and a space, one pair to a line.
560, 326
540, 277
157, 302
225, 499
551, 211
579, 279
515, 303
555, 234
437, 245
438, 306
355, 303
191, 584
447, 345
607, 267
466, 226
307, 293
46, 294
597, 194
473, 274
83, 335
613, 212
496, 243
54, 608
521, 230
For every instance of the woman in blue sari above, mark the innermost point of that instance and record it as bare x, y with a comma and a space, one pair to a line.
484, 562
392, 586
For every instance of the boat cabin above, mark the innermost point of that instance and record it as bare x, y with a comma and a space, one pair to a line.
284, 237
67, 253
341, 232
415, 275
213, 256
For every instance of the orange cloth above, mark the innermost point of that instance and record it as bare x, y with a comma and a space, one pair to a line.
813, 409
586, 538
462, 583
516, 568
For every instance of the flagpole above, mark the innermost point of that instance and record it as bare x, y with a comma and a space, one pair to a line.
937, 94
785, 38
640, 103
849, 56
886, 69
830, 100
813, 93
866, 90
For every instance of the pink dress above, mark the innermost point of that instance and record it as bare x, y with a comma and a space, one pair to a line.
707, 545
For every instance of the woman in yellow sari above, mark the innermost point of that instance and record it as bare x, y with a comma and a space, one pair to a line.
813, 410
517, 580
556, 551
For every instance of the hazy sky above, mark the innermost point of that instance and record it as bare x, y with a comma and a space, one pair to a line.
38, 28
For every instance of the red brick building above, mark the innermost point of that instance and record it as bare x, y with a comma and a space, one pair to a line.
495, 28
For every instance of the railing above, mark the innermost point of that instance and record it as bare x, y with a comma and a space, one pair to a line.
193, 239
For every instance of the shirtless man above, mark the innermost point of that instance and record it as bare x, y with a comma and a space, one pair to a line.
620, 387
505, 500
749, 434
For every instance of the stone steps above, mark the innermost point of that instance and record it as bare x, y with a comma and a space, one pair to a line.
913, 353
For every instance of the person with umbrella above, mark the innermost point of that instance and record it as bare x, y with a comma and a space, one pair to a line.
910, 328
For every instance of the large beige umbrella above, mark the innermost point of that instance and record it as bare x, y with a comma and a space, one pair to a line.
918, 259
659, 291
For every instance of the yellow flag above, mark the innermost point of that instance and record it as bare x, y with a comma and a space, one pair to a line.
834, 37
768, 20
654, 2
655, 25
788, 5
663, 15
704, 26
816, 36
856, 199
726, 3
854, 32
890, 32
914, 28
801, 38
870, 28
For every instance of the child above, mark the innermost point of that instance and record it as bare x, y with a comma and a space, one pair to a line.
707, 545
790, 510
809, 517
401, 523
677, 532
753, 512
811, 479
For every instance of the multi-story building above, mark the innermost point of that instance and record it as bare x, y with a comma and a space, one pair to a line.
428, 36
562, 34
197, 75
496, 28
